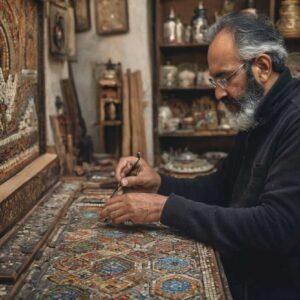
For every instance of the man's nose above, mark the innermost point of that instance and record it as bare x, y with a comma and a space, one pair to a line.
220, 93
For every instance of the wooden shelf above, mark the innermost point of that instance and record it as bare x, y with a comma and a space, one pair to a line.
199, 133
182, 46
293, 39
111, 123
194, 88
110, 100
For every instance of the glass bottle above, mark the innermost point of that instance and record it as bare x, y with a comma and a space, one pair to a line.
169, 32
179, 31
187, 34
199, 24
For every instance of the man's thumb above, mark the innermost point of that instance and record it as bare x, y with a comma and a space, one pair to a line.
130, 181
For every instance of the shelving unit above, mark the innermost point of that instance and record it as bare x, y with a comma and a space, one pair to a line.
196, 141
200, 140
200, 133
109, 107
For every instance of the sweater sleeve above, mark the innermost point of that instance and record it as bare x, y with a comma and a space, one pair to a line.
272, 225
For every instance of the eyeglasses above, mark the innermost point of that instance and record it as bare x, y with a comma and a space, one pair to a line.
223, 82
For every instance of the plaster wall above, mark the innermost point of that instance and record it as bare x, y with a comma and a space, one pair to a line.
55, 70
132, 49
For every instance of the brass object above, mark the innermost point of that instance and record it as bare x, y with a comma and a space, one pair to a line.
289, 22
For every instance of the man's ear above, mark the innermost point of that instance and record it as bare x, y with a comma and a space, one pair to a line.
262, 68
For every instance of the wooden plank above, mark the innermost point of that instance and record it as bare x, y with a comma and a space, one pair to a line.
157, 22
134, 116
59, 142
74, 122
126, 118
128, 72
70, 157
140, 111
13, 184
20, 193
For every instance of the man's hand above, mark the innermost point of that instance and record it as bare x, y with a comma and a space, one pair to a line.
140, 208
144, 178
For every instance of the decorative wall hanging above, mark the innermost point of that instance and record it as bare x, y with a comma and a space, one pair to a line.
289, 22
58, 22
111, 16
82, 15
21, 64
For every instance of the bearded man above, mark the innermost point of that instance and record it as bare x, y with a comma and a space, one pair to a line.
249, 209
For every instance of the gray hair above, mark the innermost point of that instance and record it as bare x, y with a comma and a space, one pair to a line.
254, 35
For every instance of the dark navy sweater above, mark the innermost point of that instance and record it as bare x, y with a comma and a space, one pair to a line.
249, 209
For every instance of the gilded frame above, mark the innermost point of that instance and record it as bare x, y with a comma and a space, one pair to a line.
82, 15
111, 16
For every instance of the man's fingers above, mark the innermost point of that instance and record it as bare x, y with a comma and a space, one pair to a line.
116, 214
115, 199
121, 219
124, 166
109, 209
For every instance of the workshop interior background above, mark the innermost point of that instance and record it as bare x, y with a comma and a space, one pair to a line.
83, 82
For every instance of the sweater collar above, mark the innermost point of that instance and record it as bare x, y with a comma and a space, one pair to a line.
276, 98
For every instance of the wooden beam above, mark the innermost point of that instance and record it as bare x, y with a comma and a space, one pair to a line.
15, 183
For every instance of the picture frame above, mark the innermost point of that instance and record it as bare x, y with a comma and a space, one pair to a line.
111, 16
82, 15
72, 49
58, 30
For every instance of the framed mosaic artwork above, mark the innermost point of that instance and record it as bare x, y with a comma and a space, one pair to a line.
22, 114
82, 15
111, 16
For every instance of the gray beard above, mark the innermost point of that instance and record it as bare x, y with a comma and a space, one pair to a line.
244, 120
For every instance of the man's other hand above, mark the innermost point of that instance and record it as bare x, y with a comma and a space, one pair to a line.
139, 208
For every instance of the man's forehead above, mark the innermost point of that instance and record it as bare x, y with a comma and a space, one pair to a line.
222, 53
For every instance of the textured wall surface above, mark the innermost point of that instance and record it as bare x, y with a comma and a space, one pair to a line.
132, 49
55, 70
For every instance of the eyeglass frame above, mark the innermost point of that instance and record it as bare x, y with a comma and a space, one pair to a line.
224, 82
